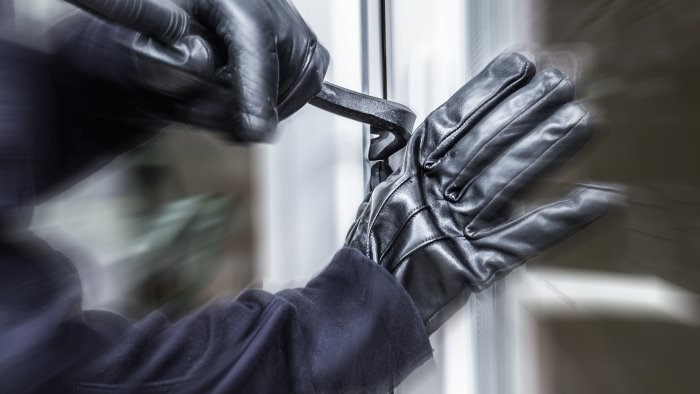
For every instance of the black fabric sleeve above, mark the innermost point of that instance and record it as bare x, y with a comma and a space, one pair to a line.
351, 329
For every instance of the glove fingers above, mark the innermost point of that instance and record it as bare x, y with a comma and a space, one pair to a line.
447, 124
534, 232
248, 33
511, 120
547, 146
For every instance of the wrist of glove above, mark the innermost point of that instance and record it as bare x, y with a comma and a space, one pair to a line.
442, 223
258, 64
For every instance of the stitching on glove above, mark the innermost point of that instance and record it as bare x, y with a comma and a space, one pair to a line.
428, 164
398, 232
386, 199
425, 243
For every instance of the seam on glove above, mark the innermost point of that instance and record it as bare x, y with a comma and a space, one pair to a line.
475, 115
381, 205
424, 243
398, 232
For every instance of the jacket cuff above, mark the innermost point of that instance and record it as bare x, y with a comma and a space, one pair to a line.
365, 334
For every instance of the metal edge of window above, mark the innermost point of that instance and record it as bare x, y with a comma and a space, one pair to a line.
374, 56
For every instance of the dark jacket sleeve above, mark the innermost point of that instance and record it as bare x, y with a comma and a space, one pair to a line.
351, 329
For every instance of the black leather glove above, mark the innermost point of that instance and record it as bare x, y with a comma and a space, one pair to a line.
275, 65
442, 222
266, 63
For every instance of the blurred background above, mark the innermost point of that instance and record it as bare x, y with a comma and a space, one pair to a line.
615, 310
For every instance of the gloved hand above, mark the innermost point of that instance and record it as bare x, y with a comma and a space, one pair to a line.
266, 63
275, 65
442, 222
